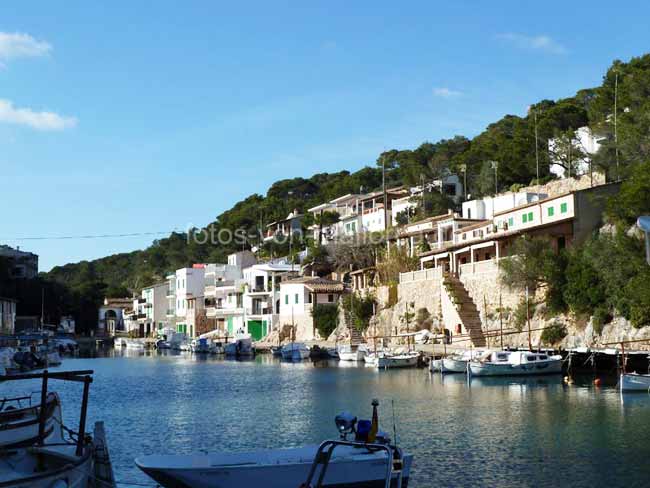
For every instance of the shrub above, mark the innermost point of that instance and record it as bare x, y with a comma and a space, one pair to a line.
422, 317
601, 316
358, 310
326, 319
392, 295
519, 315
553, 334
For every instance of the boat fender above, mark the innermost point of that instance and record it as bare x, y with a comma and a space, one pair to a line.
597, 382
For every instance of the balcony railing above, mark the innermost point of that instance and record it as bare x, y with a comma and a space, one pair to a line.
259, 311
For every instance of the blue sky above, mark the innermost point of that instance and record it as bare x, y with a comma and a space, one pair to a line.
128, 117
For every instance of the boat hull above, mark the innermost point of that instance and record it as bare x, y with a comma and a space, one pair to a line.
365, 471
553, 366
450, 365
351, 355
635, 382
393, 362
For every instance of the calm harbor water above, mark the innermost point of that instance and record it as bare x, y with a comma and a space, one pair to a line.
488, 432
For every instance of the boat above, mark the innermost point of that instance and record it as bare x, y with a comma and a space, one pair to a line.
457, 363
119, 342
50, 461
333, 353
200, 346
350, 352
435, 365
295, 351
20, 426
241, 346
276, 351
134, 344
163, 344
217, 348
386, 360
368, 461
634, 382
507, 363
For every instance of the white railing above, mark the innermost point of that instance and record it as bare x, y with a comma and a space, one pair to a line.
478, 267
421, 275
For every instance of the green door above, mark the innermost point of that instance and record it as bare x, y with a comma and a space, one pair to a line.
255, 329
230, 326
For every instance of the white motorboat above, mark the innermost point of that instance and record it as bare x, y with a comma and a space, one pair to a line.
457, 363
163, 344
634, 382
295, 351
119, 342
349, 352
352, 464
134, 344
508, 363
241, 346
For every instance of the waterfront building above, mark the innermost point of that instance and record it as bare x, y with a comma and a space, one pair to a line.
189, 284
284, 228
7, 315
299, 296
450, 185
261, 298
152, 310
112, 316
21, 264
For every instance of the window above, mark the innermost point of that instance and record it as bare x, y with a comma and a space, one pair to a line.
551, 211
286, 299
524, 218
511, 222
297, 298
564, 208
330, 298
309, 298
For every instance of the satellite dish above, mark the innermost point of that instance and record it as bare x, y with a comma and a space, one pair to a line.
643, 223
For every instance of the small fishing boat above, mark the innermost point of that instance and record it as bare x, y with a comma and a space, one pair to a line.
352, 352
20, 426
509, 363
295, 351
634, 382
50, 461
371, 460
276, 351
163, 344
435, 365
200, 346
396, 360
457, 363
119, 342
333, 353
241, 346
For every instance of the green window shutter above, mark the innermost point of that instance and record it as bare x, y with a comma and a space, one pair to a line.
296, 298
524, 218
511, 222
563, 208
286, 299
530, 216
551, 211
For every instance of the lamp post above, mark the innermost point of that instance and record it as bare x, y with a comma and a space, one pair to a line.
495, 167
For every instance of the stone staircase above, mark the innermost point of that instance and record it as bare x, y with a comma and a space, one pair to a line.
355, 336
467, 311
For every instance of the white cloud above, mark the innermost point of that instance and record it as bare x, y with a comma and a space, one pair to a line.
47, 121
541, 43
444, 92
18, 45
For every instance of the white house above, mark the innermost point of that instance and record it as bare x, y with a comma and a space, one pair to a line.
21, 264
585, 141
298, 297
485, 208
450, 185
7, 315
152, 309
284, 228
189, 284
261, 300
112, 316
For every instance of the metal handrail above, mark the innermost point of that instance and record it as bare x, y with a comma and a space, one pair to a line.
323, 457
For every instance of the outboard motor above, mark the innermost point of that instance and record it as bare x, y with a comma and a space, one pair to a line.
345, 424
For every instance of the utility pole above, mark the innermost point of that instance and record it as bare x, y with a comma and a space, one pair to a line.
383, 186
536, 145
615, 124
